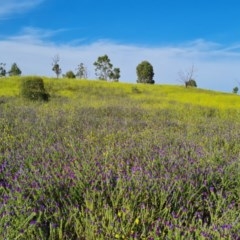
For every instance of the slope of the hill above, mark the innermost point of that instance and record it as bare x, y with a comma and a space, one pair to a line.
149, 96
119, 161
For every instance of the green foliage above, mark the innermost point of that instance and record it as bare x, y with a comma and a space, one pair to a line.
191, 83
56, 67
32, 88
70, 74
145, 73
135, 90
103, 67
235, 90
81, 71
2, 70
15, 70
115, 75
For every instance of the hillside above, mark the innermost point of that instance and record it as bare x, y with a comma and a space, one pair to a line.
119, 161
153, 96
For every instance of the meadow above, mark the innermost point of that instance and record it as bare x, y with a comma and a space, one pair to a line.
119, 161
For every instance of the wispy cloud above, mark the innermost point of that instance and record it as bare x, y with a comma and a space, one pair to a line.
35, 35
217, 65
9, 7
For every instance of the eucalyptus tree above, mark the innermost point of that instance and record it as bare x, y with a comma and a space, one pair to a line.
82, 71
103, 67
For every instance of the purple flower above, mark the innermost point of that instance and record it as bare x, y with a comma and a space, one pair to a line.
33, 222
212, 189
226, 226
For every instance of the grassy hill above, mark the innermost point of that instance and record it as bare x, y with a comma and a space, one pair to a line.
119, 161
153, 96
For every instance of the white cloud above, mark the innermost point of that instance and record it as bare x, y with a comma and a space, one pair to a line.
9, 7
217, 66
35, 35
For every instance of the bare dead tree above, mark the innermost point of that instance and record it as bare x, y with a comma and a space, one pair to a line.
187, 76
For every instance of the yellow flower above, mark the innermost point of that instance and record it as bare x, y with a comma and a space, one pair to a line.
117, 236
137, 221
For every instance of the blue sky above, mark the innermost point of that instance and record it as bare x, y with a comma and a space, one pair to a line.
172, 35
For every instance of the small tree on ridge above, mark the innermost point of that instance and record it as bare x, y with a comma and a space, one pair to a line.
56, 67
115, 75
2, 70
103, 67
81, 71
145, 73
15, 70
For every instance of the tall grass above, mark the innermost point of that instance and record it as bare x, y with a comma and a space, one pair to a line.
119, 161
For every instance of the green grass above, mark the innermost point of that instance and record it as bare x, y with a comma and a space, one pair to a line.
119, 161
152, 96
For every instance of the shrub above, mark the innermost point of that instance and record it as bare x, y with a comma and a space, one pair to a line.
235, 90
33, 88
135, 90
2, 100
69, 74
191, 83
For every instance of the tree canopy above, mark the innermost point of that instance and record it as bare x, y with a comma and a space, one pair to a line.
2, 70
145, 73
15, 70
115, 75
103, 67
235, 90
81, 71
